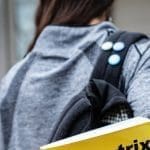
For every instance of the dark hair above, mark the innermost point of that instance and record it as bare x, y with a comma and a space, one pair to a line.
68, 13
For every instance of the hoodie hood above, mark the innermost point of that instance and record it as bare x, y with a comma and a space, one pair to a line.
66, 40
38, 88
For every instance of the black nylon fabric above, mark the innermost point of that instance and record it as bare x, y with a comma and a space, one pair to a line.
74, 119
85, 111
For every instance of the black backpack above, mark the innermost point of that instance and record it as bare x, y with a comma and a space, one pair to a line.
102, 101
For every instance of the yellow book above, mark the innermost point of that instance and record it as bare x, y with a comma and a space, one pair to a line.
133, 134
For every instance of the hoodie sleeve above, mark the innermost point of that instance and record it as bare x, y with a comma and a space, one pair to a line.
138, 78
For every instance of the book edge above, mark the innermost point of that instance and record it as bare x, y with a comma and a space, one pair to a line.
99, 132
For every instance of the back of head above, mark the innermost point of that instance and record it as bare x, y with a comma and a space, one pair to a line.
68, 13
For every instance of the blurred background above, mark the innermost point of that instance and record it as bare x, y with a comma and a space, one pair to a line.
17, 25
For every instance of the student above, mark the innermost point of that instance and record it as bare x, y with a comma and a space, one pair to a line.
58, 66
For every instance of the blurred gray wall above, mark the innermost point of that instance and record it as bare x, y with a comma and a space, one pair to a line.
133, 15
7, 36
3, 45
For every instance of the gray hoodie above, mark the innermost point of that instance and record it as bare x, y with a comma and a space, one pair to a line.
36, 90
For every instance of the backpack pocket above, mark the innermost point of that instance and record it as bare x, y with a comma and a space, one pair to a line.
97, 105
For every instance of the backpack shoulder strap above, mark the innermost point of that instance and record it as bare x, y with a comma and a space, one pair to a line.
112, 56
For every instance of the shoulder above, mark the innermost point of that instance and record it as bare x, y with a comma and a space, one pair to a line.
10, 75
143, 49
7, 80
143, 46
137, 59
137, 52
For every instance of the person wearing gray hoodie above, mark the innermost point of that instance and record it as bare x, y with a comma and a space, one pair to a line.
58, 66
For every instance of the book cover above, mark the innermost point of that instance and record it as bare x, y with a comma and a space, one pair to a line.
132, 134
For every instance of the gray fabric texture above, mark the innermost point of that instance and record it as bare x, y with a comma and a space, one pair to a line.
35, 91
